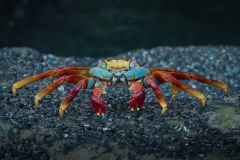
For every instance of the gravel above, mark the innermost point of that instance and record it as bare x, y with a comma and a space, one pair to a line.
187, 131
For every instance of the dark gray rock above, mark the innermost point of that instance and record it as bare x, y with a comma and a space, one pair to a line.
29, 133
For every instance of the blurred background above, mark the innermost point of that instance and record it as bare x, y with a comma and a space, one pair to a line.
106, 28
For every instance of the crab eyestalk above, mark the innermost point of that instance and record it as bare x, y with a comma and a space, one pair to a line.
133, 63
100, 63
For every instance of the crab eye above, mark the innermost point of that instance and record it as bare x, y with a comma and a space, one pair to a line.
133, 63
100, 63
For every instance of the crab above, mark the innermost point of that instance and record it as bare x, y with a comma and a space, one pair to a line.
118, 71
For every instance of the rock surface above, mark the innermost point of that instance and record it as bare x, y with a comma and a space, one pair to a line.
187, 131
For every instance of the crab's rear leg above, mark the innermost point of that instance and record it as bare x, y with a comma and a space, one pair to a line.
64, 79
82, 84
190, 75
168, 77
54, 72
161, 76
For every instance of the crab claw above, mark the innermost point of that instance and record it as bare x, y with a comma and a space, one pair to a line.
138, 95
97, 102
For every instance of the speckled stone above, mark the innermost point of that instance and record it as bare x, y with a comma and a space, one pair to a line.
26, 132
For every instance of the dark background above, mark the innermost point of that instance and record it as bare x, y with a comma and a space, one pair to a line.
106, 28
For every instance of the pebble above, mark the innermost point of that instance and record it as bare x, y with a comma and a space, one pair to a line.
61, 88
201, 155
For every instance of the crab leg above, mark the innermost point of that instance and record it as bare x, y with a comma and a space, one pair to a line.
162, 69
151, 82
190, 75
54, 72
167, 77
174, 91
82, 84
138, 95
64, 79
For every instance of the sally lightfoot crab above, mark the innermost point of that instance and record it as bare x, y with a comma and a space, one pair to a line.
113, 72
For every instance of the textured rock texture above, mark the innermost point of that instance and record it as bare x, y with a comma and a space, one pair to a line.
186, 131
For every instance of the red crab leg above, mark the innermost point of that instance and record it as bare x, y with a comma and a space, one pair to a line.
151, 82
80, 85
97, 102
138, 95
160, 81
162, 69
176, 83
54, 72
64, 79
189, 76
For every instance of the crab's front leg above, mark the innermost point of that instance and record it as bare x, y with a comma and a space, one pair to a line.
97, 102
150, 82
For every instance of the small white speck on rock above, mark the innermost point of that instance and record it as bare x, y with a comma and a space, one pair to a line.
61, 88
194, 86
